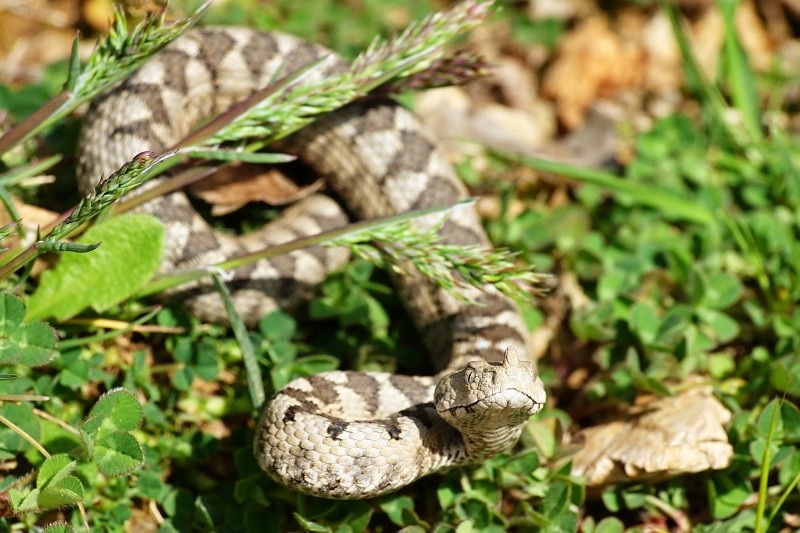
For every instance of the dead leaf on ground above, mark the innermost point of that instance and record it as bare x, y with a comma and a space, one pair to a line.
593, 62
453, 116
98, 13
142, 521
28, 43
233, 187
659, 439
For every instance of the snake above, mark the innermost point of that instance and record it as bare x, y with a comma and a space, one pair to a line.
341, 434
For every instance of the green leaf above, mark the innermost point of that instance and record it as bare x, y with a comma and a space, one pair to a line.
473, 509
759, 446
54, 469
199, 359
28, 344
724, 327
446, 496
612, 283
182, 378
610, 525
359, 516
309, 525
543, 435
764, 422
644, 321
648, 383
36, 341
116, 410
727, 494
467, 526
24, 500
523, 464
55, 487
633, 498
785, 375
68, 491
788, 422
118, 454
593, 322
76, 374
314, 364
790, 469
22, 415
130, 256
722, 290
394, 508
12, 311
721, 365
556, 500
277, 325
674, 324
564, 522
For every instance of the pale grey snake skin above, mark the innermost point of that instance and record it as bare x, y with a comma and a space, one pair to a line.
339, 434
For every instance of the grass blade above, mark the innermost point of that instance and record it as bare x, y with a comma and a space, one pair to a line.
255, 385
740, 75
763, 482
179, 277
664, 202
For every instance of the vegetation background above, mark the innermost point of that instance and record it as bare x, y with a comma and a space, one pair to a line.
644, 153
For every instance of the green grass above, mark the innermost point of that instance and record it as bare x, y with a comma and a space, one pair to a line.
688, 259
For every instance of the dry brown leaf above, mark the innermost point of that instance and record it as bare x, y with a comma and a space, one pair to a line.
791, 519
592, 62
452, 116
754, 36
215, 428
234, 186
34, 33
98, 13
660, 439
142, 521
559, 9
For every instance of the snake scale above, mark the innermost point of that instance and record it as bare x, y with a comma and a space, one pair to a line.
337, 434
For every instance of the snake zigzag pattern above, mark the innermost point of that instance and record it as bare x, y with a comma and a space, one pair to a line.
340, 434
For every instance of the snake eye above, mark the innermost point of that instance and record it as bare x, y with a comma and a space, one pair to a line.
470, 372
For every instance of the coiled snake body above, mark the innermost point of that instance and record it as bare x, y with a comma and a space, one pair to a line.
340, 434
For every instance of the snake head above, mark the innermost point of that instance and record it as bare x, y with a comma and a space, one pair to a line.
490, 395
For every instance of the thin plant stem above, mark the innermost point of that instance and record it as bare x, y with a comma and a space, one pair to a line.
60, 423
178, 277
169, 185
82, 341
763, 481
667, 203
241, 108
109, 323
20, 173
255, 385
30, 125
781, 500
24, 434
23, 398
